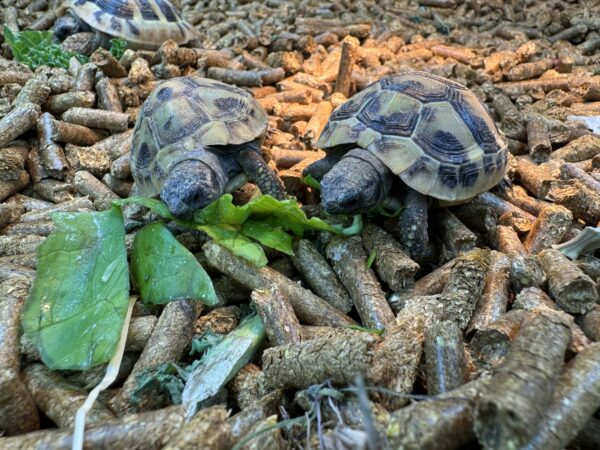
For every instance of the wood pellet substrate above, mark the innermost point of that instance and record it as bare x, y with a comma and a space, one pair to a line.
475, 306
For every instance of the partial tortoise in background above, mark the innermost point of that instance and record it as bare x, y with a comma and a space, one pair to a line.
144, 24
432, 132
193, 136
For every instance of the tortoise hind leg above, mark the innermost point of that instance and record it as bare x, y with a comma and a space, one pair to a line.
257, 169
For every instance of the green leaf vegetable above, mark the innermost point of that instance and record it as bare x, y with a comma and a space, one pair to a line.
376, 331
78, 302
35, 48
117, 47
164, 270
271, 222
167, 379
208, 340
371, 258
309, 180
221, 363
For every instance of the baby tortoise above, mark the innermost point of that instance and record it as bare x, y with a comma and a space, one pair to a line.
432, 132
144, 24
192, 136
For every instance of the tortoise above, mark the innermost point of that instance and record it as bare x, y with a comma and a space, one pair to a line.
144, 24
430, 131
192, 136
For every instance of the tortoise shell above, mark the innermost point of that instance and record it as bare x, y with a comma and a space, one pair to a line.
182, 117
432, 132
144, 24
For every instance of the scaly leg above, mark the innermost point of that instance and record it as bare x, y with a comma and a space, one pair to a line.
257, 169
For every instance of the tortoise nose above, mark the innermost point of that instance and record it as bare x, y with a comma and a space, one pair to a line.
343, 203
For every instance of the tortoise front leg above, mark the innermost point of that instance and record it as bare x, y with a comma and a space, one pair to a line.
257, 169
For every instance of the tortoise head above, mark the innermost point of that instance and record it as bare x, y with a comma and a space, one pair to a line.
357, 183
189, 186
67, 25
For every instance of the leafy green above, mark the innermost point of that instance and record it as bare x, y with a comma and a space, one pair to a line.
35, 48
221, 362
371, 258
309, 180
166, 380
269, 235
231, 238
381, 211
164, 270
237, 228
208, 340
78, 302
355, 228
287, 214
223, 210
377, 331
117, 47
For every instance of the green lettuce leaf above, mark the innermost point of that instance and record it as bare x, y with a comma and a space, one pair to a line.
264, 219
223, 211
117, 47
288, 215
78, 302
35, 48
309, 180
153, 204
164, 270
221, 362
269, 235
231, 238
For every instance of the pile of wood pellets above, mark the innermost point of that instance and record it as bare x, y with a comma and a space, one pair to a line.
489, 332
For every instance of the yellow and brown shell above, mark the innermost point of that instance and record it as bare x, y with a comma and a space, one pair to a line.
432, 132
144, 24
185, 115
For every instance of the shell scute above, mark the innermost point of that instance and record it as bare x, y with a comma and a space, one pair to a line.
168, 10
399, 153
468, 173
424, 89
448, 176
423, 173
115, 8
391, 113
477, 119
180, 125
442, 134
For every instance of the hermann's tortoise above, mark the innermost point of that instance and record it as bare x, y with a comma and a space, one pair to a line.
431, 132
192, 136
144, 24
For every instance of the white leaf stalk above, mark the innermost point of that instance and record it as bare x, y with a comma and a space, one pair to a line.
112, 371
585, 242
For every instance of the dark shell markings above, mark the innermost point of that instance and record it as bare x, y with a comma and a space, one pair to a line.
432, 132
145, 24
189, 113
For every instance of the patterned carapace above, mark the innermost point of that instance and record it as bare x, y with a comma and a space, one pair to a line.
432, 132
142, 23
185, 115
